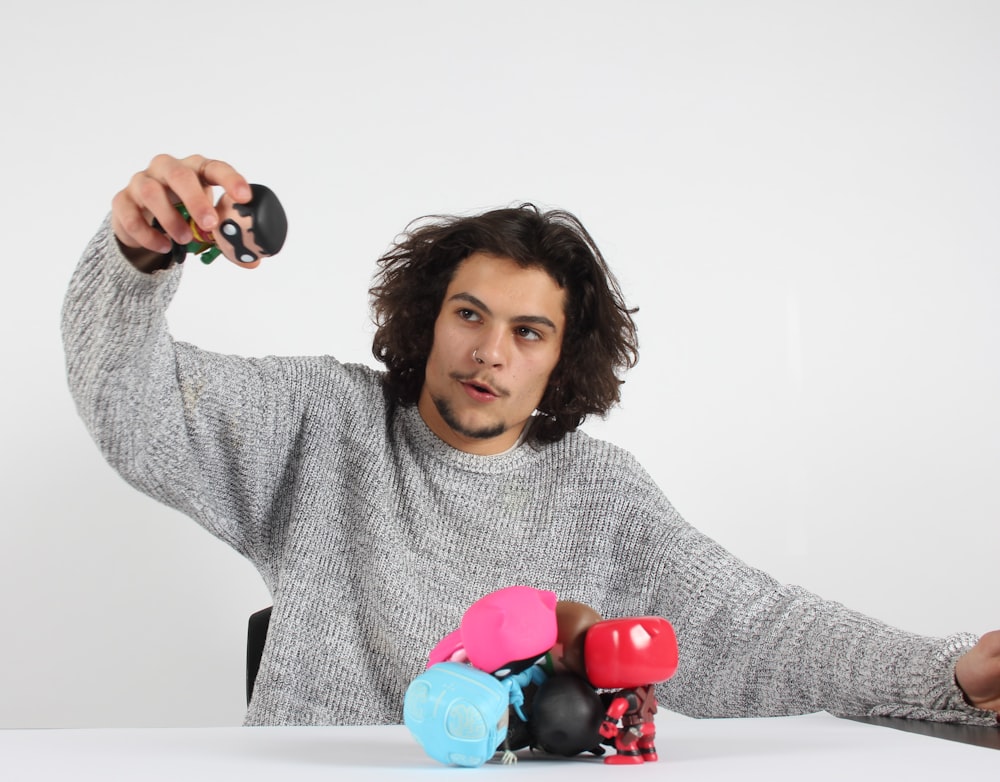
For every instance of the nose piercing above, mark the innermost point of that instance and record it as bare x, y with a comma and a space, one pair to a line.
477, 358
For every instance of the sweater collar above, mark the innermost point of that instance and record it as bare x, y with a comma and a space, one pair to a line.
424, 442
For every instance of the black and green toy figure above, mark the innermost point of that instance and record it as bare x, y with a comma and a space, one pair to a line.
246, 233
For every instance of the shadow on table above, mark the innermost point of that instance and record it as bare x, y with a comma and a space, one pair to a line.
978, 735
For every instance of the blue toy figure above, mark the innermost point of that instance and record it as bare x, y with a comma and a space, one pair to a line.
457, 713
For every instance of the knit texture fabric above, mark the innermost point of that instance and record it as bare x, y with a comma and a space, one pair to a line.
374, 536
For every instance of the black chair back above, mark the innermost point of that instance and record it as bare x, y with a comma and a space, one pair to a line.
256, 637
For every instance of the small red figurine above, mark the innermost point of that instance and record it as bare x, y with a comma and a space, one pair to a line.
630, 655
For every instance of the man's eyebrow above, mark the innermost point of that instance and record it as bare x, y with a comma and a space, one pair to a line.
537, 320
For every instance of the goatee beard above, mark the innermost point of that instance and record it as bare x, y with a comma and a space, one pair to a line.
449, 417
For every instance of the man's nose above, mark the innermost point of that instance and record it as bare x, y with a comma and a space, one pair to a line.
492, 348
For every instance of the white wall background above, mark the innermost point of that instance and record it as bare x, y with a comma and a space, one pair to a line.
802, 198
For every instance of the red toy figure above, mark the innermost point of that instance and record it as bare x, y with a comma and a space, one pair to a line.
630, 655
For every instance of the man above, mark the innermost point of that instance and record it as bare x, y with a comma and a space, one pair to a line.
378, 506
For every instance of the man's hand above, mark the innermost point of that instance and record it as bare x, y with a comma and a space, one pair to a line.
978, 673
152, 194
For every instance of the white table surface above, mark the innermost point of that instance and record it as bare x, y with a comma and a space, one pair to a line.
814, 747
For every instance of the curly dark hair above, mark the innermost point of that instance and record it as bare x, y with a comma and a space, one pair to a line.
600, 340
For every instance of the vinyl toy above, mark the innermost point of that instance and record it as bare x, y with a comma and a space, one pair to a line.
504, 631
592, 681
630, 655
566, 716
457, 713
460, 714
246, 233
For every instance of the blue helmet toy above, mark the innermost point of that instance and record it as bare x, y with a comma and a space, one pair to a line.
457, 713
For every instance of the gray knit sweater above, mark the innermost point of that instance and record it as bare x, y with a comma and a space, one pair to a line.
373, 536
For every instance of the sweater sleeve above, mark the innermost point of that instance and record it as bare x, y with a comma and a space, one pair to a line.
193, 429
751, 646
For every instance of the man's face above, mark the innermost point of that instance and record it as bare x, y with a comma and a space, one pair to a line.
513, 319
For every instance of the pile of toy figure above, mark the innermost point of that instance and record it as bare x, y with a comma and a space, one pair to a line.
525, 669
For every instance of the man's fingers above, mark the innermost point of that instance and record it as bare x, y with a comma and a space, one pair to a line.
152, 195
131, 225
218, 172
181, 180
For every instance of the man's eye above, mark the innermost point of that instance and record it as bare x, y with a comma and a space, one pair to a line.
466, 314
525, 333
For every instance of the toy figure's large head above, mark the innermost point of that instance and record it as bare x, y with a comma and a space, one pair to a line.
566, 716
503, 631
457, 714
630, 652
251, 231
573, 619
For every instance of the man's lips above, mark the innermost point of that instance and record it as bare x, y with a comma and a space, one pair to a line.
479, 389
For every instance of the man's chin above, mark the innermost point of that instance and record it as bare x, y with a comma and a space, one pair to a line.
471, 430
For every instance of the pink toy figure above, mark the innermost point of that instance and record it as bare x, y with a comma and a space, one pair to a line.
509, 626
632, 654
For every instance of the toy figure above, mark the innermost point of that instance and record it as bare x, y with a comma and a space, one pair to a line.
572, 622
566, 716
459, 714
246, 233
475, 673
502, 632
631, 654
